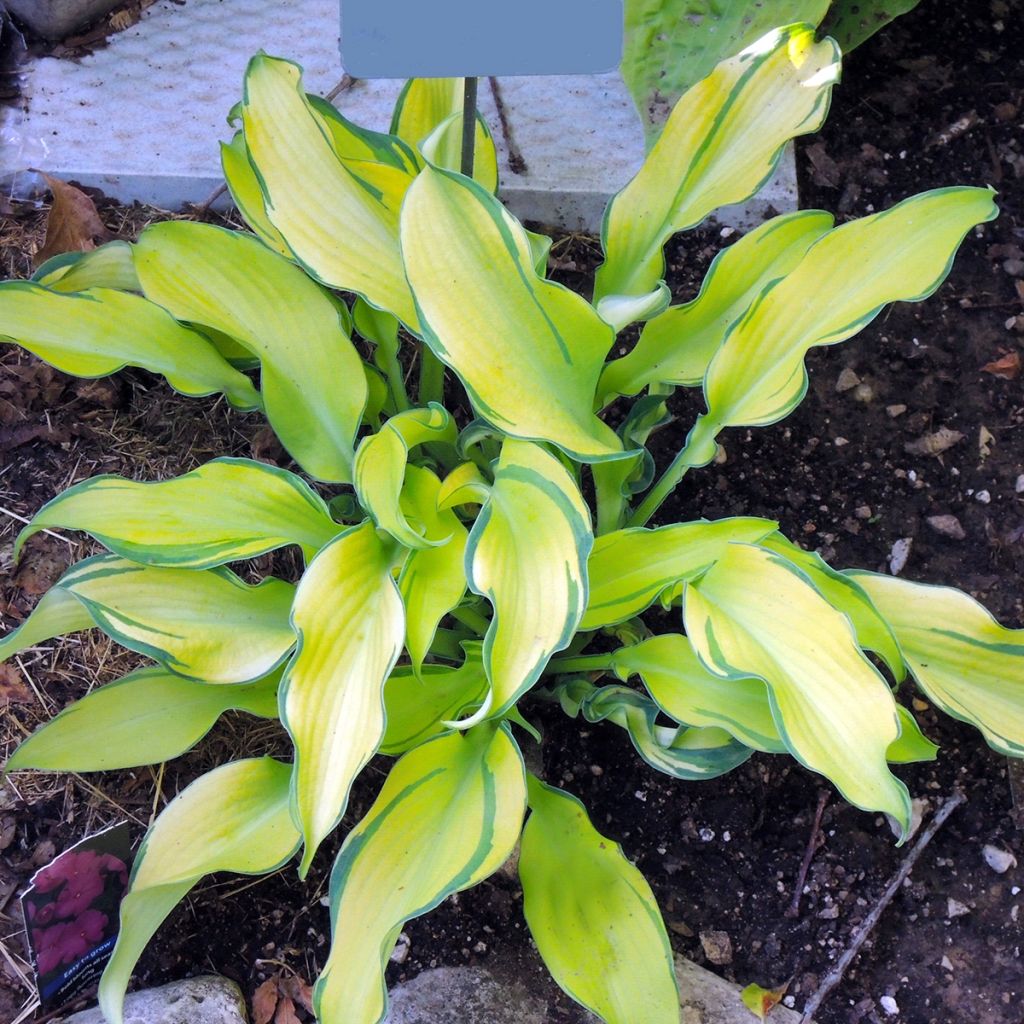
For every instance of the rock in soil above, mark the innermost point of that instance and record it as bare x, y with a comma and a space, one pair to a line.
55, 19
206, 999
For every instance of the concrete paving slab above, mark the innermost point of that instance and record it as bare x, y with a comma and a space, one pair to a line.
141, 118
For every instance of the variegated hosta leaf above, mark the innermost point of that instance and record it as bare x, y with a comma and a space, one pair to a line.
527, 554
720, 144
703, 752
528, 351
845, 595
312, 380
433, 579
622, 310
845, 279
234, 818
146, 717
448, 816
912, 745
108, 266
688, 692
354, 144
341, 232
464, 485
754, 614
593, 915
351, 625
224, 511
423, 104
100, 331
443, 148
247, 195
967, 664
677, 346
628, 569
206, 625
381, 464
419, 704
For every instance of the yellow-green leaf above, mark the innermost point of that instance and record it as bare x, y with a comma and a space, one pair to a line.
100, 331
443, 148
224, 511
966, 663
423, 104
464, 485
754, 614
527, 554
351, 625
355, 144
593, 915
720, 144
528, 351
448, 816
244, 187
761, 1001
108, 266
629, 569
677, 346
148, 716
344, 234
234, 818
57, 614
312, 380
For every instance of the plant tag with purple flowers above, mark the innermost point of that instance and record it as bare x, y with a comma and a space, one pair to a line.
71, 913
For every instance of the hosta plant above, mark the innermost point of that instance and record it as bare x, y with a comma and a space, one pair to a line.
465, 561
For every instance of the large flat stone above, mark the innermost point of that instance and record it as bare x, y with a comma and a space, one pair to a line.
56, 19
206, 999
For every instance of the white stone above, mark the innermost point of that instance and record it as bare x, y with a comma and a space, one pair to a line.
206, 999
56, 19
954, 908
889, 1004
998, 859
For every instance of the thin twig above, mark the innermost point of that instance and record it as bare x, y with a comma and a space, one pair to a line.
835, 976
346, 83
516, 162
814, 843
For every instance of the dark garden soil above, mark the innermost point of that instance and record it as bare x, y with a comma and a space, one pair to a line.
936, 99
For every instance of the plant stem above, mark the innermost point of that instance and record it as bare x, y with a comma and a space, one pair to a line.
468, 126
583, 663
470, 617
396, 381
431, 377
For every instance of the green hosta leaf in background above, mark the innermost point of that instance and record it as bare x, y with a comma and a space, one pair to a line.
629, 569
690, 754
443, 148
312, 380
528, 351
109, 266
351, 625
671, 45
381, 464
677, 346
418, 704
968, 664
100, 331
206, 625
246, 193
902, 254
593, 915
226, 510
433, 579
720, 144
146, 717
755, 614
527, 554
235, 818
851, 22
343, 233
448, 816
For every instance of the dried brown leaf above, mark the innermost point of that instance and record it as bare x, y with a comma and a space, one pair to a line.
73, 224
286, 1012
1007, 366
298, 991
935, 443
264, 1001
12, 687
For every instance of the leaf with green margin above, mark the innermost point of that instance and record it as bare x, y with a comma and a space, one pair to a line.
108, 266
354, 143
622, 310
754, 614
845, 279
847, 596
351, 624
677, 346
57, 614
629, 569
527, 554
423, 104
380, 468
433, 579
448, 816
100, 331
464, 485
443, 148
234, 818
146, 717
964, 661
314, 388
670, 45
205, 625
593, 916
418, 704
912, 745
244, 187
852, 22
226, 510
721, 143
338, 230
528, 351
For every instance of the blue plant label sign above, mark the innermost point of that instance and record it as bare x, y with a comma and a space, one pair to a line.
455, 38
